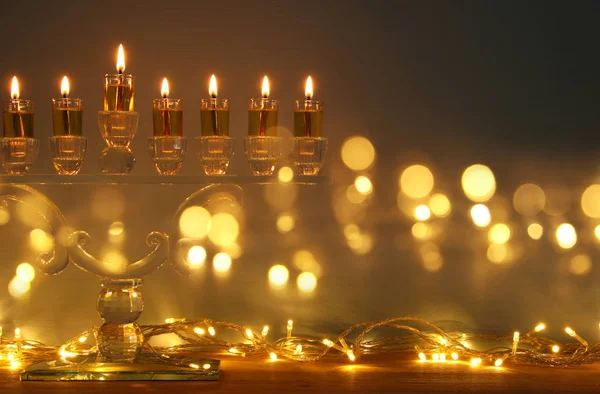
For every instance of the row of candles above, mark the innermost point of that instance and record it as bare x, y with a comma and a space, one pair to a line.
67, 113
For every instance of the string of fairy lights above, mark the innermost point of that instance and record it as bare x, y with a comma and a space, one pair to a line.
428, 341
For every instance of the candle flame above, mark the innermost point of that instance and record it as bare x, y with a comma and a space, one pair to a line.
64, 86
265, 87
121, 59
164, 91
14, 90
309, 88
212, 88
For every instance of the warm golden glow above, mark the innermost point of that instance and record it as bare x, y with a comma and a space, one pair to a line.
273, 356
224, 229
198, 331
540, 327
212, 86
196, 255
354, 196
285, 223
164, 89
285, 174
308, 91
497, 253
481, 215
590, 201
421, 231
358, 153
529, 199
416, 181
363, 185
422, 356
555, 349
120, 59
17, 287
475, 361
570, 331
535, 231
41, 241
597, 232
265, 87
14, 89
440, 205
265, 331
580, 264
278, 275
499, 233
478, 183
422, 212
25, 272
307, 282
221, 263
454, 356
566, 236
195, 222
64, 86
516, 336
498, 362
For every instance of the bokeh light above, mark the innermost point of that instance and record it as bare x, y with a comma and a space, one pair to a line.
285, 222
115, 261
281, 196
25, 272
590, 201
558, 200
361, 244
305, 261
481, 215
363, 185
116, 232
478, 183
285, 174
355, 196
307, 282
278, 275
440, 205
499, 233
529, 199
221, 262
224, 229
580, 264
432, 259
195, 222
497, 253
41, 241
422, 212
108, 204
566, 236
358, 153
597, 232
196, 255
535, 231
416, 181
17, 288
421, 231
4, 216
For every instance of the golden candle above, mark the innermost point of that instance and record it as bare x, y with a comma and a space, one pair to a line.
308, 114
214, 112
167, 114
118, 88
263, 113
17, 114
67, 113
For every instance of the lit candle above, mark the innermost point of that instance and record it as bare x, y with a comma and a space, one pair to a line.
167, 114
214, 112
17, 114
308, 114
67, 113
118, 88
263, 113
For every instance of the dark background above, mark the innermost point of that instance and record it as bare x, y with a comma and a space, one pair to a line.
511, 84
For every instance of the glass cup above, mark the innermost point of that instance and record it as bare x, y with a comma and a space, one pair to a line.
214, 116
67, 116
167, 117
17, 118
18, 154
308, 118
168, 153
68, 153
263, 154
262, 117
118, 127
215, 153
118, 92
309, 154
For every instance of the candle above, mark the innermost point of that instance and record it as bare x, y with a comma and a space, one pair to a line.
308, 114
214, 112
17, 114
167, 114
67, 113
118, 88
263, 112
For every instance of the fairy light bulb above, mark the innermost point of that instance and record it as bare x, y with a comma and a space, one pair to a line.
273, 356
298, 349
206, 366
199, 331
248, 333
265, 331
211, 331
454, 356
422, 356
194, 366
515, 343
555, 349
82, 339
498, 362
435, 357
443, 357
540, 327
570, 331
290, 327
574, 335
476, 361
351, 355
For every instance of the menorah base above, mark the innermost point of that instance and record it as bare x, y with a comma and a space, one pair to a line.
92, 367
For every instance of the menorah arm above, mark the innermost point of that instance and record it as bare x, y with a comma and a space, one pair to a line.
102, 269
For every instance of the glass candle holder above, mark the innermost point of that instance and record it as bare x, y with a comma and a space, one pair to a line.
168, 153
118, 129
262, 117
263, 153
167, 117
68, 153
18, 154
67, 116
309, 154
17, 118
215, 153
118, 92
214, 116
308, 118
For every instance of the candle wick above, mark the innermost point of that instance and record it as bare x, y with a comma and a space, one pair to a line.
65, 96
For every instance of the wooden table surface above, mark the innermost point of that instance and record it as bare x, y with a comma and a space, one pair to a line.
381, 374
